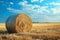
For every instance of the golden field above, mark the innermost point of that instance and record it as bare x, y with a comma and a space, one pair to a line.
49, 30
46, 27
2, 27
39, 27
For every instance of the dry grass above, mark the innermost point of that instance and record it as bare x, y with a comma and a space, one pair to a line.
39, 27
15, 37
25, 37
2, 27
46, 27
51, 30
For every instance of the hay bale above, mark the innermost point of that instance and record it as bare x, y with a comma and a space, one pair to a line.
19, 23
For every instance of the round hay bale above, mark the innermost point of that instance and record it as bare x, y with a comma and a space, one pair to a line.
19, 23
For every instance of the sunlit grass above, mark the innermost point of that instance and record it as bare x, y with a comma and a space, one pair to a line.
2, 27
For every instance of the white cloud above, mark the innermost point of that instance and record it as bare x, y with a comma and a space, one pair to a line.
35, 15
13, 10
31, 11
9, 9
41, 13
37, 0
33, 8
55, 3
34, 0
11, 3
55, 18
55, 10
41, 1
23, 3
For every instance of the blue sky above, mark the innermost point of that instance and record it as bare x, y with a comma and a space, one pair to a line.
38, 10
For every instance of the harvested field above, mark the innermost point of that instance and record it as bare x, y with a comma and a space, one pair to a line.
46, 27
27, 36
39, 31
2, 27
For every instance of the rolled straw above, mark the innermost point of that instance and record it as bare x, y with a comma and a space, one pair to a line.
19, 23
